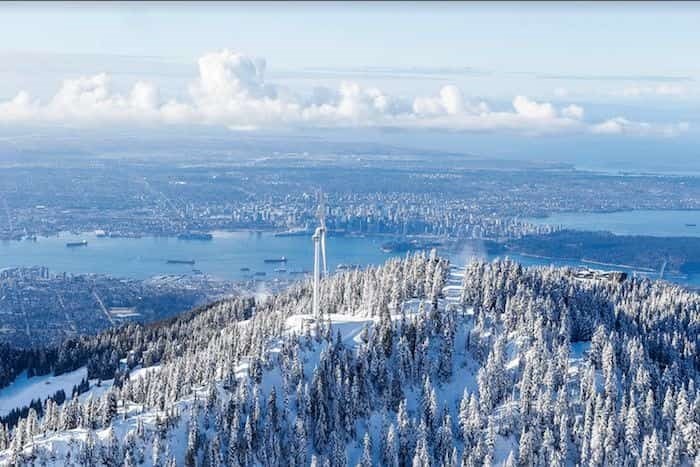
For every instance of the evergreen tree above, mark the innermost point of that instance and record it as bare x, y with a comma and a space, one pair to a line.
366, 457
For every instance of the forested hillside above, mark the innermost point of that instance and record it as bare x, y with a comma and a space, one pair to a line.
415, 363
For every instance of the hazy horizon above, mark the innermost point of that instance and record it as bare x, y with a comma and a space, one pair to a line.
560, 82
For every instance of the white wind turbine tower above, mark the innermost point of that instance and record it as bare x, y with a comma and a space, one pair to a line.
319, 239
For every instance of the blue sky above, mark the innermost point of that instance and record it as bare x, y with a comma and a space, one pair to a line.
600, 69
598, 38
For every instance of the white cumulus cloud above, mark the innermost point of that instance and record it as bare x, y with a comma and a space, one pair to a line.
230, 90
531, 109
573, 111
621, 125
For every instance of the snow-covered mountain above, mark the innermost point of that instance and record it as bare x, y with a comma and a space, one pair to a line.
415, 363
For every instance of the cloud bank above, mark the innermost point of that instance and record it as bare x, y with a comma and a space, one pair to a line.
230, 90
620, 125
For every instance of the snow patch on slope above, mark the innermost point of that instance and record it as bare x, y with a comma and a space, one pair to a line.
23, 389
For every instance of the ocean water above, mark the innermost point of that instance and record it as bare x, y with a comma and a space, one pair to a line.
223, 256
228, 252
671, 223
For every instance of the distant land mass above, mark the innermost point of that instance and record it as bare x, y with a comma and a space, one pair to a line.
681, 254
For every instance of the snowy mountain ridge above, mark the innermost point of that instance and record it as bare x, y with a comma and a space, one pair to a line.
416, 363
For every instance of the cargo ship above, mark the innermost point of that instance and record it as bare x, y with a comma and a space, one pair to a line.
195, 236
74, 244
302, 232
283, 259
294, 233
180, 261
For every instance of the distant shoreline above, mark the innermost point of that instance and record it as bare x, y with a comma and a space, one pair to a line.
642, 253
588, 261
69, 234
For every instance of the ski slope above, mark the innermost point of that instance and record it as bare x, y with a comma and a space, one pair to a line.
23, 389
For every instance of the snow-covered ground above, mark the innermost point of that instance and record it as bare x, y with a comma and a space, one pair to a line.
349, 327
23, 390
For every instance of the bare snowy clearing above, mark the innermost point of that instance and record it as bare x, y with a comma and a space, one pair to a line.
23, 390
